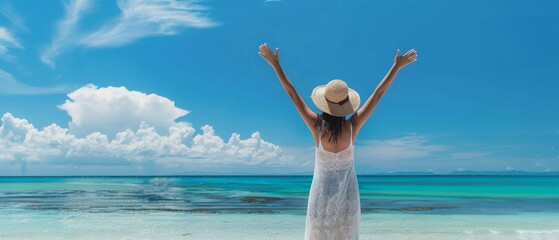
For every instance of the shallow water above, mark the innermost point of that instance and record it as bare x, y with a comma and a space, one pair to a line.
274, 207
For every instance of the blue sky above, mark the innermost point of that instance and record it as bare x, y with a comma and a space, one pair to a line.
482, 95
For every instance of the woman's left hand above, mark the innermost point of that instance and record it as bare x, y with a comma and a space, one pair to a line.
404, 60
268, 55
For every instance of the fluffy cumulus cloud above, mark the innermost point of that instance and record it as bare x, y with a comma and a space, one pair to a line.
138, 19
111, 110
20, 141
253, 148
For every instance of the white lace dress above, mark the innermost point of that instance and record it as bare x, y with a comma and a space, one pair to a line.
334, 209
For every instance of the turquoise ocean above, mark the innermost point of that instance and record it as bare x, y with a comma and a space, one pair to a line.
274, 207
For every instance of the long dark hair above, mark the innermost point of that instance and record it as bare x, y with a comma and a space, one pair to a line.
332, 125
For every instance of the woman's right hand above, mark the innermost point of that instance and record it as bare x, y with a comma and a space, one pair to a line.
404, 60
268, 55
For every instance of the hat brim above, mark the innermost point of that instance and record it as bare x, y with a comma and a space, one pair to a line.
335, 109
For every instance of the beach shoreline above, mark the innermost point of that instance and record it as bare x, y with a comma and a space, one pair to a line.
86, 226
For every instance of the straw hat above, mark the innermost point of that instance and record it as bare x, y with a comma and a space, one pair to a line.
335, 98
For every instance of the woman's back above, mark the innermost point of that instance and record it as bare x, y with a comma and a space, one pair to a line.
345, 139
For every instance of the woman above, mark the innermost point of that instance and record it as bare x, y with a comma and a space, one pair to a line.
334, 210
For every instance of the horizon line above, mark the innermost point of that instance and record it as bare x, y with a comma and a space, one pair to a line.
527, 174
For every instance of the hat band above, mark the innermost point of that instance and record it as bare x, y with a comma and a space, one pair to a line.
340, 102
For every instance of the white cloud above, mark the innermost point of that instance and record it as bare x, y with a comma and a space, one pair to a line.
21, 141
138, 19
14, 18
417, 152
7, 40
413, 152
408, 147
8, 85
66, 29
114, 109
133, 116
253, 150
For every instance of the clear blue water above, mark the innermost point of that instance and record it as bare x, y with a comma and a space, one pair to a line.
458, 206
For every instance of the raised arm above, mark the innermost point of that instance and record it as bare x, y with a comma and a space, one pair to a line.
306, 113
359, 118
